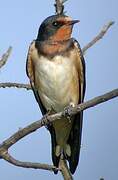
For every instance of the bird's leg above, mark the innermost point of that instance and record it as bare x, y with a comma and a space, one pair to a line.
67, 111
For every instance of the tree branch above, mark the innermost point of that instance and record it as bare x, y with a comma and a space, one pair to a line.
59, 7
65, 170
5, 57
6, 156
15, 85
98, 37
44, 121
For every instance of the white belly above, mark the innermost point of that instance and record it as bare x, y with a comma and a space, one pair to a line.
56, 81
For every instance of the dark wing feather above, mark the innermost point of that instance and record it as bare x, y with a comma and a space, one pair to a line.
30, 73
76, 132
41, 106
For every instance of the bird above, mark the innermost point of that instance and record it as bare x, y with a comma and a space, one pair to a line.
56, 70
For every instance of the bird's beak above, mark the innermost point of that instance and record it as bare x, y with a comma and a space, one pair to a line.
72, 22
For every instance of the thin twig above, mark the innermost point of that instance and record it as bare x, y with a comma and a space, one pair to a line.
15, 85
5, 57
45, 120
15, 162
99, 36
59, 7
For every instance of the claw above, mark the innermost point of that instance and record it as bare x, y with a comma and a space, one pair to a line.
67, 111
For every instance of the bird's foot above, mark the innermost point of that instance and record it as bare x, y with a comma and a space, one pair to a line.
67, 111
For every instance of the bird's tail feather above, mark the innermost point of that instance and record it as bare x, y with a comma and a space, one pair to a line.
55, 159
75, 142
71, 151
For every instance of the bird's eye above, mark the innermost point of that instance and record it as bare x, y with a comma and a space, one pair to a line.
55, 23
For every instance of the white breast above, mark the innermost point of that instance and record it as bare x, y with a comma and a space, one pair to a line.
55, 80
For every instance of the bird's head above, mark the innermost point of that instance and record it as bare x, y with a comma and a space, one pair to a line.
56, 28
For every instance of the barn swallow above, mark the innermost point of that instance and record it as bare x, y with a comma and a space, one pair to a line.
56, 69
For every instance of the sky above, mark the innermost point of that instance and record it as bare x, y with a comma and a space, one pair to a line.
19, 23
